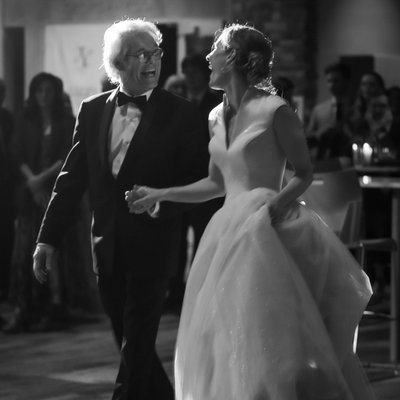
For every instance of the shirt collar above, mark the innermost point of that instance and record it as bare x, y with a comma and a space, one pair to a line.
147, 94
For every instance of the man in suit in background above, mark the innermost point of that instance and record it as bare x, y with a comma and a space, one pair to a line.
328, 131
196, 71
135, 134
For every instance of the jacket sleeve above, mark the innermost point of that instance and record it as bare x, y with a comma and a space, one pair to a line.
68, 190
192, 157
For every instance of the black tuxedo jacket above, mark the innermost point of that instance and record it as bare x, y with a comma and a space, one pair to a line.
168, 149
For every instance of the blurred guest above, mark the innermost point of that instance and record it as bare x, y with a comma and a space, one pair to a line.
328, 131
393, 94
7, 209
379, 119
196, 71
106, 84
284, 88
371, 85
176, 84
42, 140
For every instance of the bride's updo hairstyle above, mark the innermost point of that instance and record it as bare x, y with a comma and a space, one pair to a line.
253, 53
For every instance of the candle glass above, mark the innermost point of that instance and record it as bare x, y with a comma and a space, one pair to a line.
367, 152
358, 160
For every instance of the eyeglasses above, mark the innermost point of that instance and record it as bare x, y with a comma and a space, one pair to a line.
144, 56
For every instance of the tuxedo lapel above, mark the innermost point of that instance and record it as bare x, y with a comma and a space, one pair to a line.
142, 130
106, 118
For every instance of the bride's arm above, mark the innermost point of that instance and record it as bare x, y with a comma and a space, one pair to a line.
292, 140
142, 197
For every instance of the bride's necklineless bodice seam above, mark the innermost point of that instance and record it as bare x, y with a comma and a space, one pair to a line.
229, 122
230, 118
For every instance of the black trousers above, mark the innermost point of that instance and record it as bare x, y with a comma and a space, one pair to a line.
134, 306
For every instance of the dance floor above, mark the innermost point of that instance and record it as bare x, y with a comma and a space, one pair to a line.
81, 362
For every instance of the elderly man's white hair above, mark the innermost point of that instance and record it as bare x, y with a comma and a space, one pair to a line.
114, 51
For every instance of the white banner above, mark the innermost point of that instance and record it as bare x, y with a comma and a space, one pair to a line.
74, 53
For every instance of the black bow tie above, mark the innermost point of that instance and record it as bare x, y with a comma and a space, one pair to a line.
139, 101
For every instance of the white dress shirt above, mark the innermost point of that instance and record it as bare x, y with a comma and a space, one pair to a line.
123, 127
122, 130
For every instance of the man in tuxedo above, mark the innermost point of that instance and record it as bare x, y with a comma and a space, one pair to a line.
196, 71
134, 134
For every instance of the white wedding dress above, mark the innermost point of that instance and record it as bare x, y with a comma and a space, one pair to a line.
269, 312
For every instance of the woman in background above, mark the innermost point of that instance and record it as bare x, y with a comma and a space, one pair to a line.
43, 138
273, 297
371, 85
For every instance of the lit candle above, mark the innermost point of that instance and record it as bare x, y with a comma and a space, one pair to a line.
357, 155
367, 153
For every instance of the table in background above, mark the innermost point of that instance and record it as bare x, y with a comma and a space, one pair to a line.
383, 180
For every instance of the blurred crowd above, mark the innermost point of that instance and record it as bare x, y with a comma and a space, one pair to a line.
344, 120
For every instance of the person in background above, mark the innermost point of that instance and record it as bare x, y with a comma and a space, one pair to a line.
41, 142
379, 122
196, 72
7, 200
273, 297
284, 88
107, 85
176, 84
136, 134
328, 133
393, 94
371, 85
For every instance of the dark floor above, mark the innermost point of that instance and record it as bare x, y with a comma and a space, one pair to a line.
80, 362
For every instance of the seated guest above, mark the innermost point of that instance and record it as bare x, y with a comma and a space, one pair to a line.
371, 85
393, 94
284, 88
381, 131
328, 132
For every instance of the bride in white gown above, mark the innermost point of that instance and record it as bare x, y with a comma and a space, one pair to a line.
273, 297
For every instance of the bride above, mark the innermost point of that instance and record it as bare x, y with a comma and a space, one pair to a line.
273, 297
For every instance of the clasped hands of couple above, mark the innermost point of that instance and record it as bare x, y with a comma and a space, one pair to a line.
143, 199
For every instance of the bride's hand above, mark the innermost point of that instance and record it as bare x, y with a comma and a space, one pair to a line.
142, 198
279, 213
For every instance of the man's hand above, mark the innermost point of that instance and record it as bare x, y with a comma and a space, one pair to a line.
141, 199
43, 259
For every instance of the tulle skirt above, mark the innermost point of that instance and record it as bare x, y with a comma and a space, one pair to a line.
270, 312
